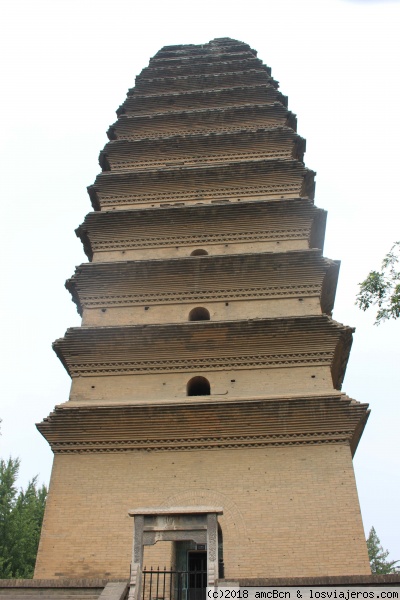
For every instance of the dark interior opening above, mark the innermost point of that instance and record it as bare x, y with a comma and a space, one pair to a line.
199, 252
197, 576
198, 386
199, 314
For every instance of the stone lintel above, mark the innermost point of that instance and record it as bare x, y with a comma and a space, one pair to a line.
175, 510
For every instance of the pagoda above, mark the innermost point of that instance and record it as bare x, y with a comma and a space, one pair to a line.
206, 423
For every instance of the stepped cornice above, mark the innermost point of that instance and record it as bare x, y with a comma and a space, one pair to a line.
134, 93
192, 149
201, 100
207, 346
206, 67
202, 225
221, 119
202, 81
205, 424
204, 50
212, 45
263, 276
260, 70
257, 179
201, 58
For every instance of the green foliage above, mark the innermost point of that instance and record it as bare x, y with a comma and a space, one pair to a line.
378, 556
382, 288
21, 516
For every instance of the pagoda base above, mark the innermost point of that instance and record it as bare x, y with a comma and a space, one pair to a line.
287, 510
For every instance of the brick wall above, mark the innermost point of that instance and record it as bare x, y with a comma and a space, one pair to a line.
287, 511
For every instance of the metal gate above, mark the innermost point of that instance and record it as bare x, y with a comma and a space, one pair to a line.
173, 585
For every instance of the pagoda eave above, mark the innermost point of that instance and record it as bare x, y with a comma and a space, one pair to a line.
220, 119
206, 424
181, 51
146, 154
203, 68
156, 227
275, 179
207, 346
196, 59
236, 96
268, 275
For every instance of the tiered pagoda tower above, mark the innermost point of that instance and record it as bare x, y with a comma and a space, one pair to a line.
207, 371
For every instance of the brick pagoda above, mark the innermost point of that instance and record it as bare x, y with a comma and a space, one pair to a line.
206, 374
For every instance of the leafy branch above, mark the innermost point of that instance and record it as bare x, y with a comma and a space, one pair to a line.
378, 556
21, 516
382, 288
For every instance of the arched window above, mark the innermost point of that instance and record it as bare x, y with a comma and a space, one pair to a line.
199, 314
198, 386
199, 252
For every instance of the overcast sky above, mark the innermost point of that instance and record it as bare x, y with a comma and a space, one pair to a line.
66, 67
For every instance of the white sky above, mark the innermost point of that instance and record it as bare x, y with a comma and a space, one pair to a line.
66, 67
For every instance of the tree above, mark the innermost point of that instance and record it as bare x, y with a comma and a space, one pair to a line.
382, 288
21, 516
378, 556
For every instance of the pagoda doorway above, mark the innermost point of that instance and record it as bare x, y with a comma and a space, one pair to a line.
194, 533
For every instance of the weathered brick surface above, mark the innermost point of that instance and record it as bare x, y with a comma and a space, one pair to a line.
161, 556
286, 510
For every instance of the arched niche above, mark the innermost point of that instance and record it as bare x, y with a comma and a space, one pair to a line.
198, 386
199, 314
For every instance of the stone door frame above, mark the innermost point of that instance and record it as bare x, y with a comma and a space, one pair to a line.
175, 524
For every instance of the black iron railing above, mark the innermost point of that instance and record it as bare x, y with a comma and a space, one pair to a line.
163, 584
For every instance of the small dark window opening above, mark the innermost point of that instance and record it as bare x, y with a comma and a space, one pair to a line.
199, 314
198, 386
221, 566
199, 252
